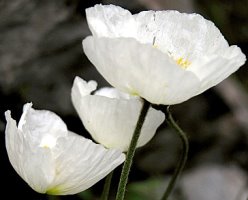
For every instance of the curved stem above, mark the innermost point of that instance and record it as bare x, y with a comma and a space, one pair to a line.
130, 153
106, 188
183, 157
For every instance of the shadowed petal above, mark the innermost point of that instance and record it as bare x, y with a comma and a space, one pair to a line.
52, 160
111, 119
34, 165
141, 69
82, 164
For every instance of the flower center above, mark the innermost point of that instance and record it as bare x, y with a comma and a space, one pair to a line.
134, 92
48, 142
183, 63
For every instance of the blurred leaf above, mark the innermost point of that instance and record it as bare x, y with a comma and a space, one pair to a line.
86, 195
146, 190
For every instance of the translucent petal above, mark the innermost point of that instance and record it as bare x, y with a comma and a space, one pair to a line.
111, 121
12, 138
81, 164
141, 69
164, 56
38, 124
110, 21
34, 165
180, 34
212, 70
70, 165
113, 93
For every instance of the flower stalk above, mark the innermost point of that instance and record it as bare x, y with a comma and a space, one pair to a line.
131, 151
106, 188
183, 157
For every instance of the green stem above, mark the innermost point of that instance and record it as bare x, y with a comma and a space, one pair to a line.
106, 187
130, 153
183, 157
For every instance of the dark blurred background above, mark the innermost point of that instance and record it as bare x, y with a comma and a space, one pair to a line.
41, 53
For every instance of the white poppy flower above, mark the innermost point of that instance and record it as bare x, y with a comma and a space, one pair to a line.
165, 57
110, 116
52, 159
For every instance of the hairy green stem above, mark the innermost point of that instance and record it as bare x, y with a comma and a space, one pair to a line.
183, 157
106, 188
131, 151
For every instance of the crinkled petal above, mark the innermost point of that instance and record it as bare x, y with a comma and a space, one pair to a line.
68, 166
111, 121
13, 137
143, 60
170, 30
38, 168
38, 124
180, 34
212, 70
141, 69
110, 21
35, 166
81, 164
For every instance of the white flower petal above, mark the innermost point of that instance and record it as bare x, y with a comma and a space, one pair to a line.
141, 69
155, 54
111, 121
38, 124
213, 70
81, 164
34, 165
38, 168
113, 93
68, 165
110, 20
13, 137
179, 33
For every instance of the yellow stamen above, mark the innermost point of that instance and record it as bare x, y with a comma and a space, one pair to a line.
155, 46
183, 63
48, 142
